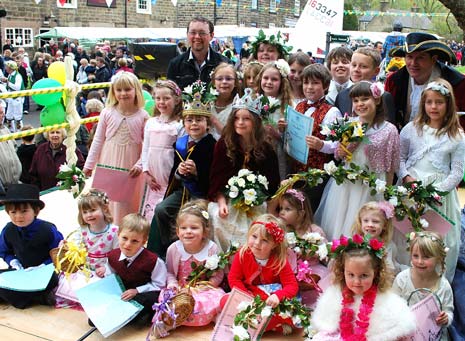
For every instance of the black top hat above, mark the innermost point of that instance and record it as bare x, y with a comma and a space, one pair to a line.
22, 193
419, 41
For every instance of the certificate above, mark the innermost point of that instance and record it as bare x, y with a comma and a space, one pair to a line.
298, 127
223, 328
32, 279
426, 312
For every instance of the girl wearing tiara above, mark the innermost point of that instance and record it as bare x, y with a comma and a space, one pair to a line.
432, 149
243, 145
427, 254
160, 133
359, 305
340, 203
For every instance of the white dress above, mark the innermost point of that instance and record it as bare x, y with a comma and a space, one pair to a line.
403, 286
438, 160
222, 116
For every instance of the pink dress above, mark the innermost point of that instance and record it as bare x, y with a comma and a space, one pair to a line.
207, 299
118, 143
99, 244
157, 159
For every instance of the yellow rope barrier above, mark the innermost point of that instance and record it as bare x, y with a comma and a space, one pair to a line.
25, 93
34, 131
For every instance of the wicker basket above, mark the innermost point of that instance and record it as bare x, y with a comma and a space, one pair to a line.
57, 254
309, 286
183, 304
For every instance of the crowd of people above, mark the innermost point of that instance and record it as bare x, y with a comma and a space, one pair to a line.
211, 125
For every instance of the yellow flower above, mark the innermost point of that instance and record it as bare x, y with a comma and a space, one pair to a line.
358, 130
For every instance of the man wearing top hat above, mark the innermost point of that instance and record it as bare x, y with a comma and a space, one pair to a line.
424, 56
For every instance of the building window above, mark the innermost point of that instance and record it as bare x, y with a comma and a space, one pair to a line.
144, 6
296, 8
254, 4
20, 36
67, 4
273, 6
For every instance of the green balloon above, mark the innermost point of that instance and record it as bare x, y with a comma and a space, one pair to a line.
53, 114
46, 99
149, 106
147, 96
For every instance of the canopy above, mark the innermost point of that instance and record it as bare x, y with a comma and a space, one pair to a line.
116, 33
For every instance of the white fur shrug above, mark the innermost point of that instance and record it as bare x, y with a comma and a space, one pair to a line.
390, 320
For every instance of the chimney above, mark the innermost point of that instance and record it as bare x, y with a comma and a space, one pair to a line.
415, 9
384, 6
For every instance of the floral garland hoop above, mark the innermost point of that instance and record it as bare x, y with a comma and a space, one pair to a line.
410, 200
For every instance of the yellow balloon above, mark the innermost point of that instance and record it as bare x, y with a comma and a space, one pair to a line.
57, 71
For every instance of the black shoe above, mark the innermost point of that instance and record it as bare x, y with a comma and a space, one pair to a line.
48, 299
90, 323
25, 112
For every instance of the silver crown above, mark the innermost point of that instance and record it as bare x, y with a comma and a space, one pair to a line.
249, 101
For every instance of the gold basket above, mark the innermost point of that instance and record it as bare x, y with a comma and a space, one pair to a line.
58, 256
183, 305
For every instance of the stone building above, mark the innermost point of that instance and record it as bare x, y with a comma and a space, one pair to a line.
23, 21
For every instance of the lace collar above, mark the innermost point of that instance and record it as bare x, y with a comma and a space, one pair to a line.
200, 256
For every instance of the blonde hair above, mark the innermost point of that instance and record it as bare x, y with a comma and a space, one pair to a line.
279, 250
388, 230
199, 209
134, 222
252, 69
382, 275
61, 130
451, 124
285, 92
430, 244
94, 105
237, 86
126, 80
94, 198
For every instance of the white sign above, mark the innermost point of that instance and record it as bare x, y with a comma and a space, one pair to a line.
317, 18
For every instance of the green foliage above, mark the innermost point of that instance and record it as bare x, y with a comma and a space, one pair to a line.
350, 22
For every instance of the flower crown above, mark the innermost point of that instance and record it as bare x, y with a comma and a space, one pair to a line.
273, 229
283, 67
373, 245
412, 235
197, 99
377, 90
298, 195
275, 40
439, 87
93, 193
199, 209
260, 105
169, 84
387, 208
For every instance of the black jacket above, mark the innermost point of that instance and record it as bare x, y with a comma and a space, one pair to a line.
184, 72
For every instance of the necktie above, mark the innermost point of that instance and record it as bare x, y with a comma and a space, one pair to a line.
126, 262
190, 144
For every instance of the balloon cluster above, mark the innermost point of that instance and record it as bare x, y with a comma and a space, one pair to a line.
54, 111
149, 102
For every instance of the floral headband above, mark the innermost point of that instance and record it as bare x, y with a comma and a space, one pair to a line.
197, 208
387, 208
298, 195
92, 193
283, 67
439, 87
373, 245
273, 229
412, 235
377, 90
275, 40
169, 84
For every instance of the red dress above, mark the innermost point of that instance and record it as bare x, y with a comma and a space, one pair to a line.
246, 274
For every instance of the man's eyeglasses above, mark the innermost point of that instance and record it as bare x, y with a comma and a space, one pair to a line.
225, 79
200, 34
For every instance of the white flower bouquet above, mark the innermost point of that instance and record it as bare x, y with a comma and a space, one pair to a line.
247, 189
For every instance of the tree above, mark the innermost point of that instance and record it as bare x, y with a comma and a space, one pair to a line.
350, 22
457, 8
